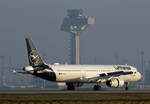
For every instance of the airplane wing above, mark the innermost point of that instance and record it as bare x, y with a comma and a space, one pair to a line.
112, 74
108, 75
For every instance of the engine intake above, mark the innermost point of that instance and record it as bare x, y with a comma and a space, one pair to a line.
115, 82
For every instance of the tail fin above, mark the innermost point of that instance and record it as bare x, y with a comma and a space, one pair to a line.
33, 56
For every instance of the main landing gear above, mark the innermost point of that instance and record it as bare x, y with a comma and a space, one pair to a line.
97, 87
70, 86
126, 86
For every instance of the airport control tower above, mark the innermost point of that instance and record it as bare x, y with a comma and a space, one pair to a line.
75, 23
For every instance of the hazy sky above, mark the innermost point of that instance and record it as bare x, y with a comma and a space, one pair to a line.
122, 27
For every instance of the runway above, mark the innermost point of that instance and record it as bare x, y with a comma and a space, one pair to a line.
75, 97
73, 92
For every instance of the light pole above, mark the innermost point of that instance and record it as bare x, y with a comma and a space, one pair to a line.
142, 67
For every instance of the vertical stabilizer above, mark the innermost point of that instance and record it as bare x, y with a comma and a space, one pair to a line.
33, 56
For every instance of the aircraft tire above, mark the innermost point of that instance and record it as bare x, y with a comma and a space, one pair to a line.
96, 87
70, 86
126, 88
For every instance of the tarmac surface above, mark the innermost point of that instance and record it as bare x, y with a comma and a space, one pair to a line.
74, 92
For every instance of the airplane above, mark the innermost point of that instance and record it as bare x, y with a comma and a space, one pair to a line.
114, 76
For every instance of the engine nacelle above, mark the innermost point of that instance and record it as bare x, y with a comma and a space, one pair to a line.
29, 69
115, 82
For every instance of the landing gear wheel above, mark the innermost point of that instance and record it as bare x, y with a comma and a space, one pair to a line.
70, 86
127, 87
97, 87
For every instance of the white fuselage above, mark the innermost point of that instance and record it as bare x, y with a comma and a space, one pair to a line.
82, 73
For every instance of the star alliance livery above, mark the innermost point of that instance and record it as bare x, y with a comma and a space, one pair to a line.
76, 75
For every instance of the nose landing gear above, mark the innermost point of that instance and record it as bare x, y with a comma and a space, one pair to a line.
126, 86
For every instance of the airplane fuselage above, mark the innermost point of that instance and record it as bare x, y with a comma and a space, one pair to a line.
89, 73
81, 73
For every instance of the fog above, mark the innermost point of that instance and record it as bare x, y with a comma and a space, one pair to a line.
122, 28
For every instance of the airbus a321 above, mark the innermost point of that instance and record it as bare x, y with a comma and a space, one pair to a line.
76, 75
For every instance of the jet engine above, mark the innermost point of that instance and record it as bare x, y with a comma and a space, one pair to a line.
115, 82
